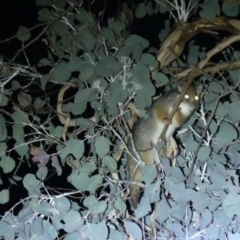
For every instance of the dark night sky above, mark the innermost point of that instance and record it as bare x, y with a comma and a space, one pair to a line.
14, 13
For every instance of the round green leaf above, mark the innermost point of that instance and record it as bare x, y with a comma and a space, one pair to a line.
227, 133
4, 196
23, 34
231, 9
98, 207
133, 229
107, 66
30, 182
161, 78
7, 164
110, 162
203, 153
3, 129
210, 9
61, 72
149, 173
102, 145
98, 231
73, 146
19, 117
141, 10
42, 173
89, 201
44, 15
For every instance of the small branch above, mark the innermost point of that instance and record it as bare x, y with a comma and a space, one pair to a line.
205, 131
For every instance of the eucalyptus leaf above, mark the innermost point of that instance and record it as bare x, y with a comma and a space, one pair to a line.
206, 218
7, 164
98, 207
94, 183
84, 122
38, 103
32, 184
107, 66
135, 39
152, 191
89, 201
226, 134
143, 208
231, 204
150, 61
137, 52
177, 173
116, 25
88, 168
18, 133
4, 97
86, 41
203, 153
162, 210
44, 15
75, 64
73, 221
24, 99
3, 147
4, 196
61, 72
102, 145
110, 162
161, 78
140, 76
21, 148
101, 229
82, 96
73, 146
215, 87
23, 34
211, 9
116, 95
3, 129
193, 54
149, 173
79, 181
141, 10
85, 17
120, 205
62, 204
115, 234
108, 34
133, 229
231, 9
190, 143
44, 62
42, 173
6, 231
233, 114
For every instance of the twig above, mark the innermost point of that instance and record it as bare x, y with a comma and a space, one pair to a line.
205, 131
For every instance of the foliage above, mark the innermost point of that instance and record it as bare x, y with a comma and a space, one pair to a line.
109, 68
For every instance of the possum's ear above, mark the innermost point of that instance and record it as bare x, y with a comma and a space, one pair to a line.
182, 85
199, 88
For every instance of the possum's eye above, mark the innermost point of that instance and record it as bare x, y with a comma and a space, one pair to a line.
186, 96
196, 98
